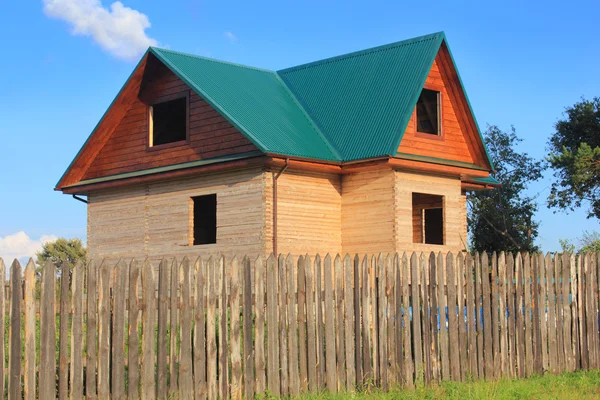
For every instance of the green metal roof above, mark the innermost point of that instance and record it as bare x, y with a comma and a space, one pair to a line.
255, 101
363, 101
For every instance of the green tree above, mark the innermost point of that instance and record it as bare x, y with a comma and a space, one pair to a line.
502, 218
574, 155
61, 252
589, 241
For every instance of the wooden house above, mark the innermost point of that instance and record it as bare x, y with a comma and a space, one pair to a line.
367, 152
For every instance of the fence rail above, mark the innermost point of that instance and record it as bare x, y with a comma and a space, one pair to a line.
216, 328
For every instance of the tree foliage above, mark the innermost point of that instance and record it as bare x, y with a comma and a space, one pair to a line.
574, 155
502, 219
589, 242
62, 252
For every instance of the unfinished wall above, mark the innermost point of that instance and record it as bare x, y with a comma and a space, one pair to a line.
368, 212
309, 213
406, 184
154, 220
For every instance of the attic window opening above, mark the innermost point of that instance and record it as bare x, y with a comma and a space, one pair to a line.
428, 112
428, 218
204, 220
168, 121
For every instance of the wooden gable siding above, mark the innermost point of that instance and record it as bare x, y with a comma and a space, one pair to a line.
210, 134
458, 141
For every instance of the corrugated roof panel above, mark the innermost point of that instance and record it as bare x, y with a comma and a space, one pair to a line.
255, 101
362, 101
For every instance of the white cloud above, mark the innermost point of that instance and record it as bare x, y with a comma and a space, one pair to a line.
19, 245
232, 38
118, 29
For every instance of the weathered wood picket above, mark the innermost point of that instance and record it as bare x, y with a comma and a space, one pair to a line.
213, 328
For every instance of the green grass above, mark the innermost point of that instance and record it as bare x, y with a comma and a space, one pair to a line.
577, 385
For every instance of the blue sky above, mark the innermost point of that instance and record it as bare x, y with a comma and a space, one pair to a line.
521, 62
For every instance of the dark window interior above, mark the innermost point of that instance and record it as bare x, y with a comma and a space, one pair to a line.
434, 226
169, 121
428, 218
205, 219
428, 110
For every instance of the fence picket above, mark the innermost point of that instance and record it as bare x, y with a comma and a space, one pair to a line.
510, 279
566, 294
236, 349
390, 314
272, 331
247, 329
339, 331
14, 333
283, 328
558, 283
382, 322
433, 317
453, 347
77, 331
29, 331
259, 311
173, 327
330, 368
211, 333
149, 307
133, 356
294, 376
47, 370
223, 296
496, 314
302, 352
311, 342
575, 312
551, 296
462, 318
357, 318
63, 335
91, 321
416, 316
406, 320
471, 310
103, 331
502, 315
528, 281
349, 323
319, 324
541, 267
443, 282
200, 293
118, 326
164, 273
186, 386
479, 317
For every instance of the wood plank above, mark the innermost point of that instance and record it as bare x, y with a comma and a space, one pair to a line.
77, 331
63, 339
349, 323
471, 324
510, 270
273, 377
373, 273
236, 349
462, 318
320, 323
382, 322
575, 312
406, 321
390, 294
503, 301
149, 306
357, 320
292, 322
186, 384
311, 342
330, 368
14, 332
91, 325
566, 294
200, 308
29, 333
487, 318
133, 356
211, 328
551, 295
528, 313
594, 283
302, 350
453, 320
2, 331
591, 313
520, 325
223, 296
416, 317
543, 306
442, 283
164, 273
47, 367
581, 312
433, 320
173, 329
104, 276
117, 366
259, 311
247, 329
560, 339
479, 317
496, 315
536, 299
339, 331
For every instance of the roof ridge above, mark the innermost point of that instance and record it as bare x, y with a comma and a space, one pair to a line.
154, 49
363, 52
313, 123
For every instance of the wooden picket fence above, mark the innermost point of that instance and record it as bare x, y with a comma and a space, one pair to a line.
217, 328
